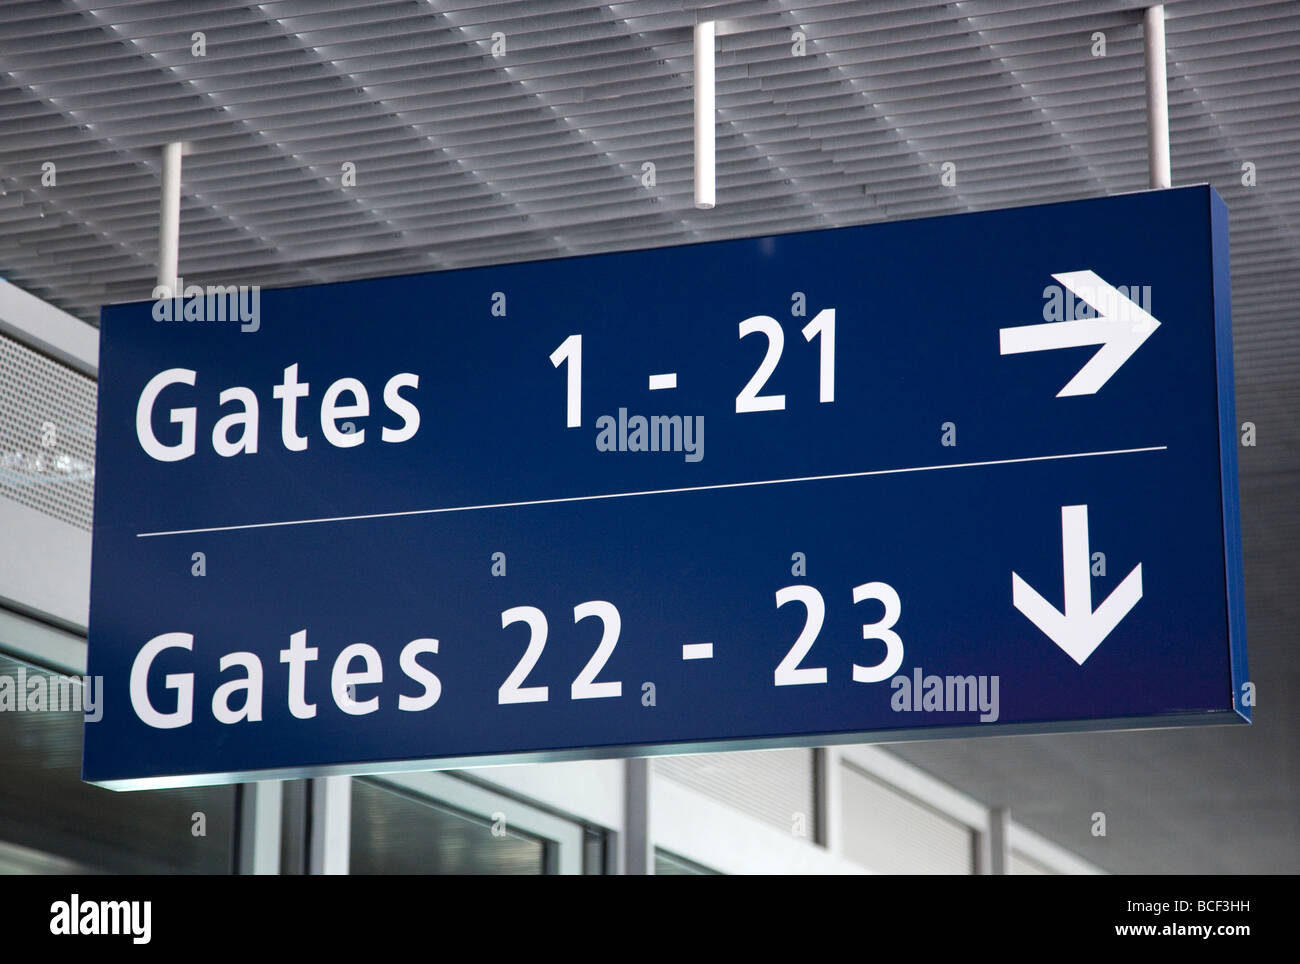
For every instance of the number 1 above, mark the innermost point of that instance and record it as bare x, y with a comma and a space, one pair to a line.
824, 325
570, 351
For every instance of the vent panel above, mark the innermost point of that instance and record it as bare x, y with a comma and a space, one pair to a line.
47, 435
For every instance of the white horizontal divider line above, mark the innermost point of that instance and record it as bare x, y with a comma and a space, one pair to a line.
630, 495
660, 382
697, 651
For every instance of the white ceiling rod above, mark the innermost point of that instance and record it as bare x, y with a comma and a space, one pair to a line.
1153, 35
705, 186
169, 218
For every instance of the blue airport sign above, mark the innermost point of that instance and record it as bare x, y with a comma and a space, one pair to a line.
945, 477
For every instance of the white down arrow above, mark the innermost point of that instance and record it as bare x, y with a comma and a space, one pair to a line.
1120, 326
1080, 629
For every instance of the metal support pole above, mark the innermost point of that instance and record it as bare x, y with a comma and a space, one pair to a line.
330, 837
830, 793
705, 120
259, 827
169, 218
638, 847
1153, 34
994, 849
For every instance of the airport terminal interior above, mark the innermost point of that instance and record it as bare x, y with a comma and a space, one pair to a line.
319, 142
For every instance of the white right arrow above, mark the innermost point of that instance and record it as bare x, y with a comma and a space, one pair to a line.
1120, 326
1080, 629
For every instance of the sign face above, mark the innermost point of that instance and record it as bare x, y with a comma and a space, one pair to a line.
964, 475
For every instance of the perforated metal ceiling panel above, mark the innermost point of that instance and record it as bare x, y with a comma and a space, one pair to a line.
891, 833
464, 157
47, 435
776, 786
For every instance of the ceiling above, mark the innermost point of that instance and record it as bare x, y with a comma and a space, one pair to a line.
463, 158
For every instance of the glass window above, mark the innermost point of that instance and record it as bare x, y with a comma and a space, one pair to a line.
51, 822
396, 832
669, 864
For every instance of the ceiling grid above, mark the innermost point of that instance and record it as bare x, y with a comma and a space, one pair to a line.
466, 158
